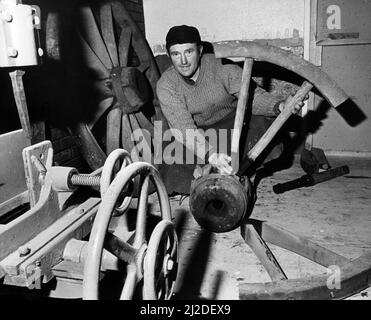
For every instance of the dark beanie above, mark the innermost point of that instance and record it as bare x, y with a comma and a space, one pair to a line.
182, 34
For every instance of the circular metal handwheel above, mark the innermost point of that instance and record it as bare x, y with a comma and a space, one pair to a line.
161, 262
133, 254
108, 173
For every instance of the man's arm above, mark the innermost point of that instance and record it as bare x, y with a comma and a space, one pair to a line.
264, 103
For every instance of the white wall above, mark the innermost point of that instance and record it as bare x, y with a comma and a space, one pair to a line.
219, 20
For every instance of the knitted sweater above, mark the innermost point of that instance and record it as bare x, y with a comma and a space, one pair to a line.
210, 99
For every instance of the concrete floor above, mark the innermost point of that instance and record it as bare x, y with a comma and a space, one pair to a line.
335, 214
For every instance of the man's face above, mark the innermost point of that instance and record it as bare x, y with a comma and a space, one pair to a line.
185, 58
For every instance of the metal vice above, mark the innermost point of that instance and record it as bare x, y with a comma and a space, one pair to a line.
74, 242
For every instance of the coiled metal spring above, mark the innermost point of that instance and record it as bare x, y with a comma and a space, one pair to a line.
85, 180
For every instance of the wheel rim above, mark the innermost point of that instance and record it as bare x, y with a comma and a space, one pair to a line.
102, 219
160, 270
108, 174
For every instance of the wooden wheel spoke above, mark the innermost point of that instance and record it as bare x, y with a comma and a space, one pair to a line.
108, 34
141, 53
124, 45
279, 121
90, 149
90, 32
102, 107
126, 131
145, 126
264, 254
92, 60
113, 129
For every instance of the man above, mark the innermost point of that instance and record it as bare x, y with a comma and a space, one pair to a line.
199, 92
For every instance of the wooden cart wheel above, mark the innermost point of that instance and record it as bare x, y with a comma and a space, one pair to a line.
161, 262
117, 54
132, 254
354, 274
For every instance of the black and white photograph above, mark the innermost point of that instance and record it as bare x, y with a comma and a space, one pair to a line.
196, 152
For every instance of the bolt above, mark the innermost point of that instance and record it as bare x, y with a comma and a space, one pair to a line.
23, 251
5, 15
170, 265
12, 52
81, 211
40, 52
37, 263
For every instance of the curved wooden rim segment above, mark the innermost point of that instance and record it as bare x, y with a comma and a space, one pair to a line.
354, 278
249, 49
353, 275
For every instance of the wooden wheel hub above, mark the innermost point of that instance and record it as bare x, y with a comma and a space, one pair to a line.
219, 202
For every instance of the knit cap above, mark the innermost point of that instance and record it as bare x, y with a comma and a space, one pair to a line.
182, 34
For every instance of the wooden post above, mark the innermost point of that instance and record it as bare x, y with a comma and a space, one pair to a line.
240, 113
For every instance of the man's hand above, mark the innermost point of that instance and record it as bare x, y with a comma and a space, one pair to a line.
297, 106
221, 162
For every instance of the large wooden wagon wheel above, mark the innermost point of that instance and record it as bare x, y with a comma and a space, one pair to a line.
210, 189
125, 75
